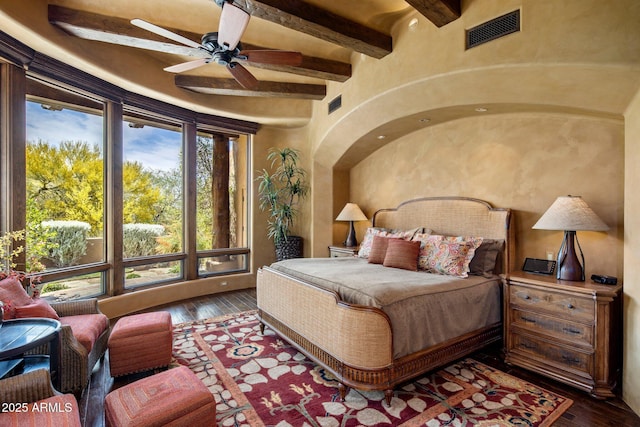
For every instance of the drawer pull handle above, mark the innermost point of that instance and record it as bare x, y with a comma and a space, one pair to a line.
527, 346
569, 359
526, 297
572, 331
570, 306
528, 319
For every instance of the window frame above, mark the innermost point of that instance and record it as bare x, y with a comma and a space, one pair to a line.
19, 62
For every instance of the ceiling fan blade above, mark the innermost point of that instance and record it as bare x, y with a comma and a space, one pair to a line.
164, 33
242, 76
185, 66
233, 22
277, 57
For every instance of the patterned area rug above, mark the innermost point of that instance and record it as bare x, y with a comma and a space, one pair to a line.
260, 380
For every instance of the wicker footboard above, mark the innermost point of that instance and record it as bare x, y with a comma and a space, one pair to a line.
354, 343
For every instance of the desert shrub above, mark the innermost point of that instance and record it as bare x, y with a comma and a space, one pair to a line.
140, 239
67, 240
52, 287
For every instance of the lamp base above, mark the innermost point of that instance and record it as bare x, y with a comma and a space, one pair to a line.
351, 238
569, 267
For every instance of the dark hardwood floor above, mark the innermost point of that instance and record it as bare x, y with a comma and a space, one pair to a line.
585, 411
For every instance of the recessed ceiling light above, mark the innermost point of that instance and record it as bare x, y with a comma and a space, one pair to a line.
481, 109
424, 120
413, 24
382, 136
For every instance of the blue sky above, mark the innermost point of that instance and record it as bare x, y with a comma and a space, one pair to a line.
153, 147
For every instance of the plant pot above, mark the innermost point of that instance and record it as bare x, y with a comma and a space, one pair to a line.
291, 247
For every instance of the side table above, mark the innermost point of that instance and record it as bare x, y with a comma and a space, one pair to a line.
18, 336
342, 251
568, 331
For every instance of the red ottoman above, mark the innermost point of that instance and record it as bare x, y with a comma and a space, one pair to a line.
140, 342
175, 397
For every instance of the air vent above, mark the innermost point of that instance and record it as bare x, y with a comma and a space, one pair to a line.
491, 30
335, 104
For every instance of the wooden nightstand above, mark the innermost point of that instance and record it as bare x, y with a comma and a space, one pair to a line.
340, 251
568, 331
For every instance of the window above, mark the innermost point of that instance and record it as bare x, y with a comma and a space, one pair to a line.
221, 214
64, 187
98, 167
152, 199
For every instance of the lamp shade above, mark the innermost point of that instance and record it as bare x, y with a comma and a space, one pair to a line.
351, 212
570, 213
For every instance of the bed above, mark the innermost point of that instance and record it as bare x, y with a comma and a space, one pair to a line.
352, 317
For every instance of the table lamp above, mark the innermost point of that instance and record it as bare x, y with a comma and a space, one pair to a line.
570, 214
351, 212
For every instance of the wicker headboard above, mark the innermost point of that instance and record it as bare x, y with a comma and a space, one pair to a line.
453, 216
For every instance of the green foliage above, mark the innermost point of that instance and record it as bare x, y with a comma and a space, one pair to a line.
54, 286
65, 182
140, 239
142, 196
68, 241
39, 238
282, 191
8, 252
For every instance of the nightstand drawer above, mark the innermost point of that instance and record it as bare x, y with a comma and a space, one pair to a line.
343, 251
575, 333
563, 305
544, 350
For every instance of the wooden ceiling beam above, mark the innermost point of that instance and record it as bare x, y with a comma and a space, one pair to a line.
218, 86
92, 26
320, 23
440, 12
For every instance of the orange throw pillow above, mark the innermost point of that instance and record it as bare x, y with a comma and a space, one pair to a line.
379, 249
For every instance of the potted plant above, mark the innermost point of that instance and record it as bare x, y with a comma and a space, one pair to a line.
281, 193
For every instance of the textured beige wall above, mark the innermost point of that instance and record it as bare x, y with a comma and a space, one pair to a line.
631, 363
520, 161
571, 56
262, 249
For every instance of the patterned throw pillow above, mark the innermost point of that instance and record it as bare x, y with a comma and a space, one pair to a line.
447, 255
402, 254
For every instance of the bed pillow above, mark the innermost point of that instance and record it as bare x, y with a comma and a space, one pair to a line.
483, 262
447, 255
38, 308
367, 240
402, 254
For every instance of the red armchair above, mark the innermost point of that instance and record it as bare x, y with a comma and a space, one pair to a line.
84, 334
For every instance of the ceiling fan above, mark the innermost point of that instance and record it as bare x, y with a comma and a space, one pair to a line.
224, 48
